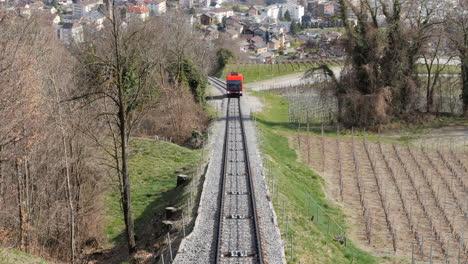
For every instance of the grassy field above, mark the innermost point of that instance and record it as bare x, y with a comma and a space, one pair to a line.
8, 256
324, 30
449, 69
152, 166
259, 72
296, 181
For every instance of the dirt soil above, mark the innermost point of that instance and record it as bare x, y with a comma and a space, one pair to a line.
453, 137
408, 200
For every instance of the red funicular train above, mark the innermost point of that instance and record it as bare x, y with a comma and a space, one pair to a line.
234, 84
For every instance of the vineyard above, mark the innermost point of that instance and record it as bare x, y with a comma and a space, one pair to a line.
407, 201
258, 72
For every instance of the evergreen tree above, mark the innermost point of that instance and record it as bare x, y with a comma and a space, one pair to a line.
287, 16
295, 28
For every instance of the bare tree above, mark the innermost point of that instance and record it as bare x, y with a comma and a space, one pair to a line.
457, 28
434, 67
116, 72
43, 191
379, 80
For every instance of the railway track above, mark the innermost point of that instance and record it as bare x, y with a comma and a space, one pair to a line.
238, 238
216, 81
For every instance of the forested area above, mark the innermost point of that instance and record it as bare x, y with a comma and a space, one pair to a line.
380, 81
66, 117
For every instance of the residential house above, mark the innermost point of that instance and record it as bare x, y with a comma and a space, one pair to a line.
65, 3
70, 33
95, 20
157, 7
220, 13
137, 13
274, 44
248, 31
272, 11
207, 19
235, 26
252, 11
257, 39
261, 32
80, 9
260, 47
266, 57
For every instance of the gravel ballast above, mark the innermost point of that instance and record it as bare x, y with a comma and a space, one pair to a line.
200, 245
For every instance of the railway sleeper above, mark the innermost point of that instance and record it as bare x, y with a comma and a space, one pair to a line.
238, 193
239, 254
238, 216
236, 174
236, 160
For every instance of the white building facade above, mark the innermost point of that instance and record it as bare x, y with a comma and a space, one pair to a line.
296, 11
71, 32
157, 7
82, 8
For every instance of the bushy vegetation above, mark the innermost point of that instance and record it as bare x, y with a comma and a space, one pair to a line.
379, 82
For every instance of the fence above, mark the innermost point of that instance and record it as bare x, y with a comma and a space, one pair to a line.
446, 147
180, 228
287, 216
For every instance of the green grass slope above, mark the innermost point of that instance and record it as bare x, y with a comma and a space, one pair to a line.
259, 72
153, 184
8, 256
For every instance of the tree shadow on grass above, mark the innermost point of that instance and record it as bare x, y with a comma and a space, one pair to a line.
150, 232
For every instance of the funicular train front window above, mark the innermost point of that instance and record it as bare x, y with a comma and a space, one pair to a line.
234, 85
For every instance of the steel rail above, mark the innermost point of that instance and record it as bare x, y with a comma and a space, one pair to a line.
251, 187
250, 184
217, 81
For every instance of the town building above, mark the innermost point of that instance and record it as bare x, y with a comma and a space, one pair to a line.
186, 3
137, 13
207, 19
156, 7
80, 9
252, 11
296, 11
70, 33
94, 20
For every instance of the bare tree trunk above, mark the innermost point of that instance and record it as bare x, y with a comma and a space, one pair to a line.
430, 108
464, 73
27, 204
19, 190
71, 210
126, 202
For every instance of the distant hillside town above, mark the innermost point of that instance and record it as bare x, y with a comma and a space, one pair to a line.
276, 30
